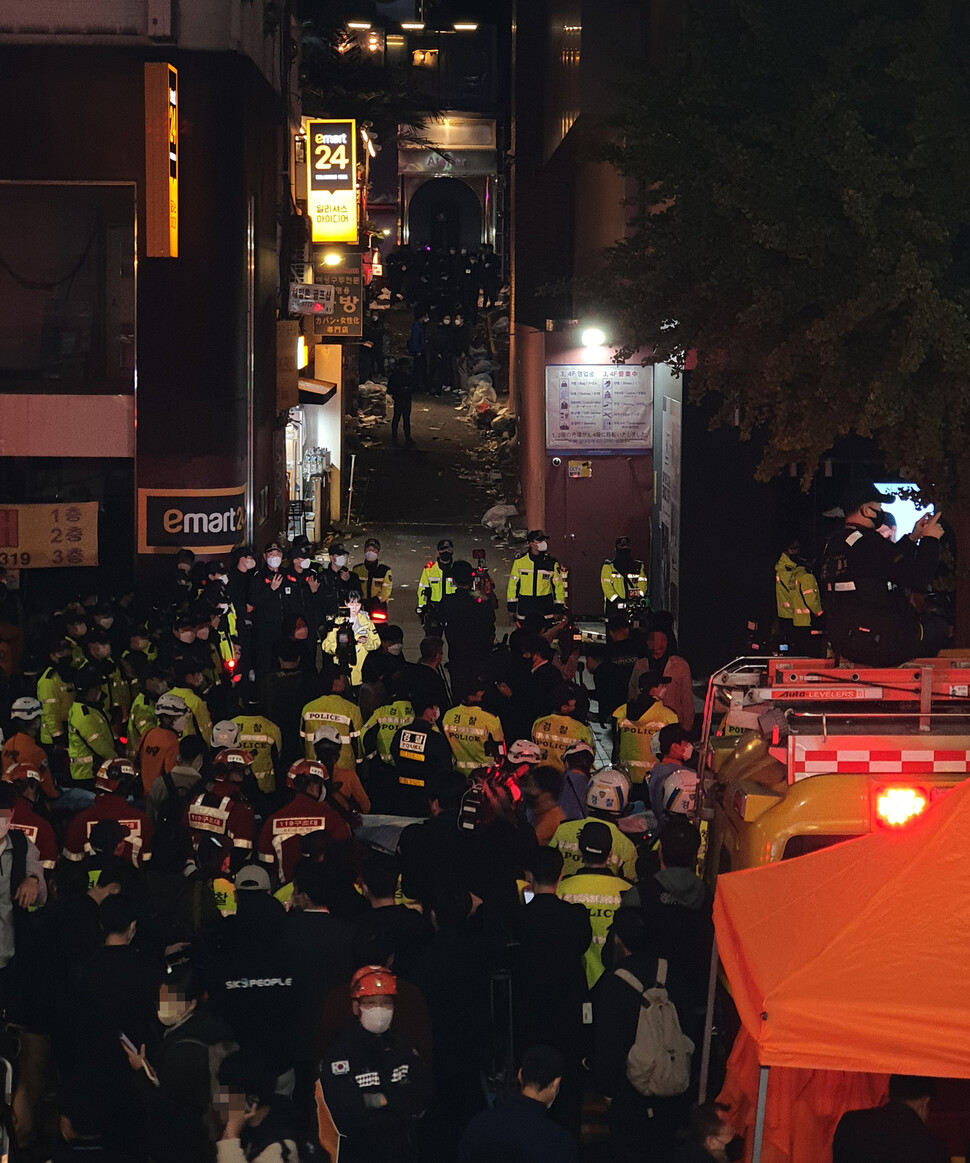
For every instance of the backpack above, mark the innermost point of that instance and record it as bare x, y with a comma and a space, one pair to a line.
217, 1052
169, 820
658, 1063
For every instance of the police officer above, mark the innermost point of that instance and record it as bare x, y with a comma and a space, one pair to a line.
374, 1083
436, 580
337, 583
375, 577
866, 578
554, 733
90, 739
535, 582
337, 711
624, 578
420, 754
469, 625
598, 888
274, 592
475, 737
55, 690
607, 798
797, 598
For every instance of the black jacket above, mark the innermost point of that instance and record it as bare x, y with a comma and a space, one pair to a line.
516, 1131
893, 1133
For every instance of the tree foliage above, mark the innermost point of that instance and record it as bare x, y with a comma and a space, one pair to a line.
804, 225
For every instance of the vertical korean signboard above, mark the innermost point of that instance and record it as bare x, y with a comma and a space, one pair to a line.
332, 180
161, 161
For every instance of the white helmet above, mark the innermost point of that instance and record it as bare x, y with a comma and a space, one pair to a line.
171, 705
328, 733
524, 751
225, 734
680, 791
609, 791
25, 708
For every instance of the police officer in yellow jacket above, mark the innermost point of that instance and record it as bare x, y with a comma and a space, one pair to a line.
435, 580
624, 578
376, 581
535, 583
797, 597
55, 690
89, 736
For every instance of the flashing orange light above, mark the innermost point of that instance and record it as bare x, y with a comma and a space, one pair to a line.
896, 806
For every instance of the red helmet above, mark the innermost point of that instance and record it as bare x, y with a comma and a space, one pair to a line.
20, 772
232, 756
113, 773
303, 770
373, 981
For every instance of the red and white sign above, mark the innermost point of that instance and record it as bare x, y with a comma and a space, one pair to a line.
809, 758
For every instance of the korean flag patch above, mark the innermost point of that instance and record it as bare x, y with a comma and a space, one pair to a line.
341, 1067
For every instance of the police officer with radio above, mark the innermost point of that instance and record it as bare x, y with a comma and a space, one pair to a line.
535, 583
866, 577
436, 580
623, 579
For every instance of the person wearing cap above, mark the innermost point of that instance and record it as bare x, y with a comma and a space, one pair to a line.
635, 724
436, 581
307, 811
346, 791
866, 577
117, 697
373, 1084
676, 750
23, 747
90, 739
554, 733
364, 635
261, 737
520, 1128
420, 754
75, 628
142, 716
598, 888
797, 598
115, 781
468, 622
140, 642
578, 760
623, 578
381, 666
535, 582
274, 592
188, 687
159, 747
378, 732
339, 712
376, 580
607, 798
474, 735
221, 809
283, 693
337, 583
55, 690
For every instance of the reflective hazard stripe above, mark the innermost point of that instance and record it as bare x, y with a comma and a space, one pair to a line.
896, 761
409, 782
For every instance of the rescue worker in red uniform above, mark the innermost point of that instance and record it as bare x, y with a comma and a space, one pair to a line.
29, 784
116, 780
307, 811
222, 810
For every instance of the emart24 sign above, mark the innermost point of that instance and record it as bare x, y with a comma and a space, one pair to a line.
203, 520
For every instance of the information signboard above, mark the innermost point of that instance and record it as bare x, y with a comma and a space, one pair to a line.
599, 408
48, 536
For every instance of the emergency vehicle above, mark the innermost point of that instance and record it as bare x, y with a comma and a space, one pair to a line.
807, 753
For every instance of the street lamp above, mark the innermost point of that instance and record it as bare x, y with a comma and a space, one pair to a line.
593, 337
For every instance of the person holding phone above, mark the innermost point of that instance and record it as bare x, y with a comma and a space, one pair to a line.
871, 620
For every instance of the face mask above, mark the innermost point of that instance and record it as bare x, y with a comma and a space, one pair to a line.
170, 1013
395, 648
340, 560
248, 563
224, 578
879, 519
370, 555
274, 561
179, 724
542, 546
186, 636
303, 562
4, 826
445, 557
203, 633
184, 567
377, 1019
105, 623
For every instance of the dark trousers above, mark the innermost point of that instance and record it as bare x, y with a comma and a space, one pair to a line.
643, 1130
402, 412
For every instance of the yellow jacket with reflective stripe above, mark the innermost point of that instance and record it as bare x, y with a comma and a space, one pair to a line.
375, 585
141, 718
470, 731
387, 720
89, 740
617, 586
55, 697
554, 733
198, 714
340, 713
599, 892
623, 855
796, 592
528, 580
636, 735
259, 735
365, 629
431, 584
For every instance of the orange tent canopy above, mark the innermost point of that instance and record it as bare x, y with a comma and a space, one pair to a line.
857, 957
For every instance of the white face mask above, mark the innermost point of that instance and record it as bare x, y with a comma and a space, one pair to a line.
303, 562
340, 560
224, 578
274, 561
542, 546
395, 648
370, 555
170, 1013
223, 607
376, 1019
184, 566
179, 724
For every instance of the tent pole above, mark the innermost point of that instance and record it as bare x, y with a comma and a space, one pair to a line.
708, 1025
759, 1118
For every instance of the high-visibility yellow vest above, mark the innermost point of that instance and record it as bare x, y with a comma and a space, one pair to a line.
619, 587
623, 854
554, 733
259, 735
55, 696
796, 592
89, 740
433, 584
387, 719
340, 713
636, 735
141, 719
198, 721
599, 892
469, 731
